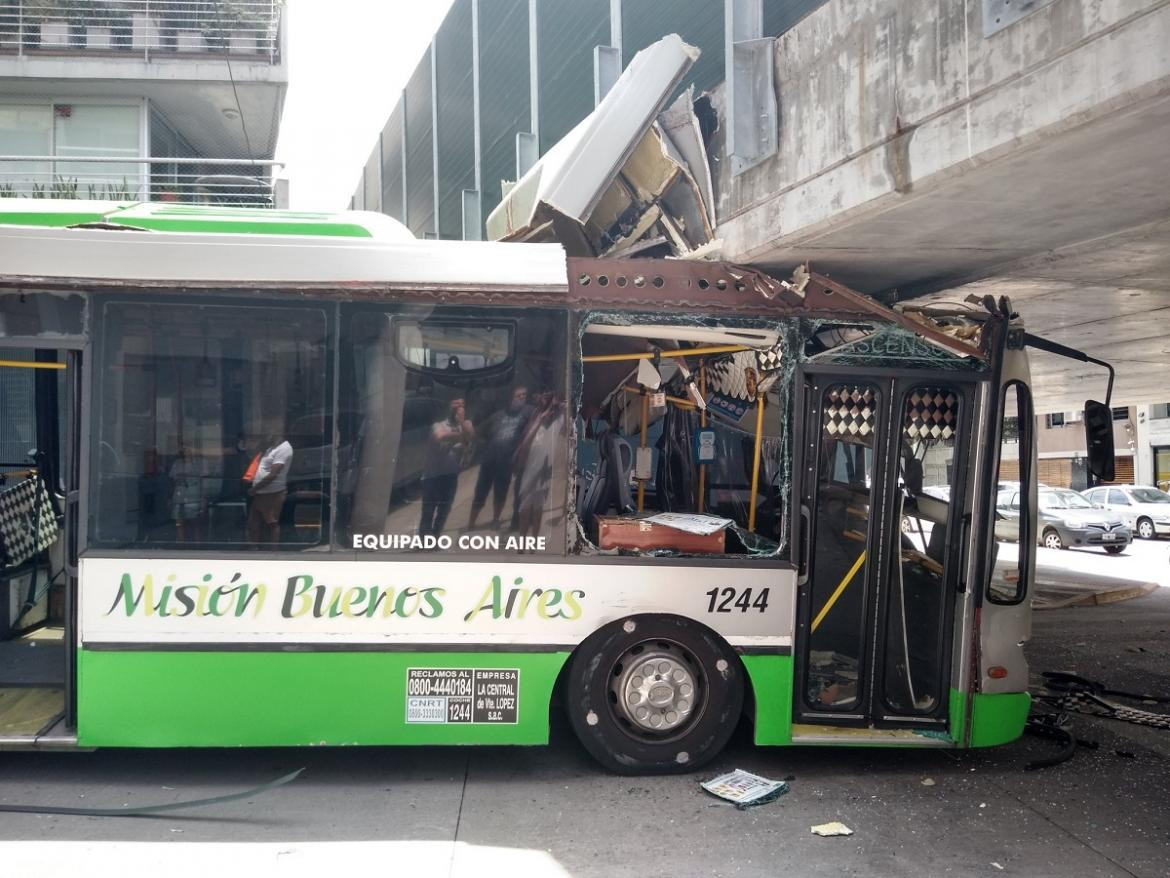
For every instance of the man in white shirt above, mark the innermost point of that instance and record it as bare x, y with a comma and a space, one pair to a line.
269, 488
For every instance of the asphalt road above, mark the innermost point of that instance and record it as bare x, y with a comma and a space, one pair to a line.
549, 811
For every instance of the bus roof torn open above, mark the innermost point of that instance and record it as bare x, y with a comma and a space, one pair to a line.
632, 177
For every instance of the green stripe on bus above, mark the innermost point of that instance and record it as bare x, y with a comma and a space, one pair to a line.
771, 679
259, 699
998, 719
957, 715
49, 220
198, 225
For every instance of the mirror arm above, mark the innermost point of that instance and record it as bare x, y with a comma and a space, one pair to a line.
1060, 350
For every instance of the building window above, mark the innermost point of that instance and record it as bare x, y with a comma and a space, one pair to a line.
1055, 419
1121, 413
72, 132
214, 426
1160, 410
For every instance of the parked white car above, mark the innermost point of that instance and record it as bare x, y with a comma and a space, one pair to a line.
1145, 510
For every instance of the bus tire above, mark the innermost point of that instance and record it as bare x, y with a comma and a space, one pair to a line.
654, 695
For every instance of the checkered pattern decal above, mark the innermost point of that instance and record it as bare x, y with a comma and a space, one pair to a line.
729, 375
28, 523
849, 412
932, 414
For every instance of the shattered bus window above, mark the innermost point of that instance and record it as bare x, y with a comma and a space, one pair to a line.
684, 416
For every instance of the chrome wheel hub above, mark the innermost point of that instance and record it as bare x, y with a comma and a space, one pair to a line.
656, 690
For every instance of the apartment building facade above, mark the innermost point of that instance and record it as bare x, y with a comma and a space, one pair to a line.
167, 100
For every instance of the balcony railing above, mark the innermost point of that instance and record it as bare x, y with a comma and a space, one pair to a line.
150, 29
230, 182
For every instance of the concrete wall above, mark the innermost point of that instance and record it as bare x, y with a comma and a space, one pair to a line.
1070, 438
883, 101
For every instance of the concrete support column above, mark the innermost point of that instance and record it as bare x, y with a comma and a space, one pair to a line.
472, 212
435, 134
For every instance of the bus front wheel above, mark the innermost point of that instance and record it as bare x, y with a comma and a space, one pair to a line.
654, 695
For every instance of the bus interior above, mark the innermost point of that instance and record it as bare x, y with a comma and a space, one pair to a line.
683, 419
37, 470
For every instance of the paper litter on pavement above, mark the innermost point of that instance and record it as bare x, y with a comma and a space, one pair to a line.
744, 789
691, 523
829, 829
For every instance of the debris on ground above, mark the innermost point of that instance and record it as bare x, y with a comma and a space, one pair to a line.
1058, 589
828, 830
928, 781
744, 789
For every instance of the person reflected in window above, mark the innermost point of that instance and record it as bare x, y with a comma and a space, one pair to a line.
268, 490
188, 476
450, 441
500, 439
536, 461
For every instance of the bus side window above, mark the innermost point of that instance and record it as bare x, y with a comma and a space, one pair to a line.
188, 396
456, 434
646, 449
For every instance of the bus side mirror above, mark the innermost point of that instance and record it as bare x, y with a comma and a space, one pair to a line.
1099, 439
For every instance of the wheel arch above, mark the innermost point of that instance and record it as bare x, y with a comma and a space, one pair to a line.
636, 618
561, 697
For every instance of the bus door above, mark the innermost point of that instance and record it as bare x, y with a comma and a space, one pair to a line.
881, 469
39, 479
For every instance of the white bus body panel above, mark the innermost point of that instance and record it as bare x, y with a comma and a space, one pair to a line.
438, 602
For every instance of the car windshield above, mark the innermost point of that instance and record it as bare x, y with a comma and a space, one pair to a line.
1149, 495
1063, 500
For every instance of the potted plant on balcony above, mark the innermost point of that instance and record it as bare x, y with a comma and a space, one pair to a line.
240, 26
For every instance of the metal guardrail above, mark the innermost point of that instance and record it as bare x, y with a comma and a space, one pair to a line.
231, 182
147, 28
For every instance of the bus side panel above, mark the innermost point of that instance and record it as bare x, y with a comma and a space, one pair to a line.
957, 714
998, 719
256, 699
771, 678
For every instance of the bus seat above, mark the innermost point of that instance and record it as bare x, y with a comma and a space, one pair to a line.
608, 486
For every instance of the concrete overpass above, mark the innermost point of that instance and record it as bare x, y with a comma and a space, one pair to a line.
924, 152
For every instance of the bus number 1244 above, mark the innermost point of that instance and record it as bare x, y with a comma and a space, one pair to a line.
728, 600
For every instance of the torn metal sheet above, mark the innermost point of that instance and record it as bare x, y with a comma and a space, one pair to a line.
625, 176
682, 128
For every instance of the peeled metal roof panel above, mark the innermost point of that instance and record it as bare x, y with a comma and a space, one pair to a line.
573, 175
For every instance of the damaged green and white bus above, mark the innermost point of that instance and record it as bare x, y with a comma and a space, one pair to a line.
276, 479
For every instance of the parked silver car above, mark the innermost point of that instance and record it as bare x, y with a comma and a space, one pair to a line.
1066, 519
1145, 510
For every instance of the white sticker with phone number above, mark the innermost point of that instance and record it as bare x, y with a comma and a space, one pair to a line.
462, 695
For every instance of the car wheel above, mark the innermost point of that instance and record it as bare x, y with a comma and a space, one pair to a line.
1052, 539
654, 695
1145, 528
1114, 550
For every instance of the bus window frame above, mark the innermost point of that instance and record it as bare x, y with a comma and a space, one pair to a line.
93, 398
1027, 490
400, 320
